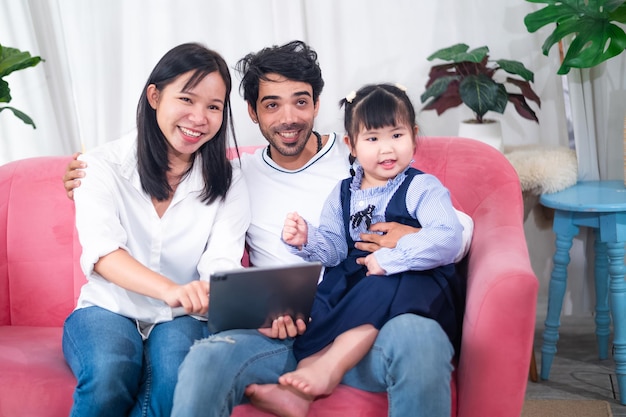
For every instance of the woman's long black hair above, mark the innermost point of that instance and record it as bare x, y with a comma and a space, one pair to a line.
152, 146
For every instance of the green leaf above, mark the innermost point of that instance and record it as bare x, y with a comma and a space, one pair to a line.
448, 54
5, 91
588, 48
516, 68
619, 14
595, 38
437, 88
482, 94
475, 55
12, 59
458, 53
20, 115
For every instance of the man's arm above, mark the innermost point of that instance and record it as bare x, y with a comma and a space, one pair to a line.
73, 173
392, 232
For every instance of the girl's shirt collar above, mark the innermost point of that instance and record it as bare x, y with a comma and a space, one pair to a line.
358, 179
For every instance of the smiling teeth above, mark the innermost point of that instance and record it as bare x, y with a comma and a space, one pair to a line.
289, 135
190, 132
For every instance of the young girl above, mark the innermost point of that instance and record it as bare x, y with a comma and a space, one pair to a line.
155, 216
361, 291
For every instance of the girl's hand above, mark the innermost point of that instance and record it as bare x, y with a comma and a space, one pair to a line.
295, 230
373, 268
192, 297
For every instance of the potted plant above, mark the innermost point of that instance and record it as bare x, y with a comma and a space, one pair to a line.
469, 78
11, 60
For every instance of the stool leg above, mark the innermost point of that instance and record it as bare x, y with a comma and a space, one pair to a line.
556, 292
618, 311
532, 373
601, 280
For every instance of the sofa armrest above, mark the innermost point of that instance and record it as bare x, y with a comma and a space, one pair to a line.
499, 321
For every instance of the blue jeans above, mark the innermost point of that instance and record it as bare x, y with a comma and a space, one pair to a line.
410, 360
118, 373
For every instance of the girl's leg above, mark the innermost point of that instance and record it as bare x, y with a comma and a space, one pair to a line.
105, 352
320, 373
165, 349
315, 375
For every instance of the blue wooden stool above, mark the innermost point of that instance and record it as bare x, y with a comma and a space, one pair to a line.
600, 205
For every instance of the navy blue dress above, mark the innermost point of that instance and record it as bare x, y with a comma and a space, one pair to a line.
347, 298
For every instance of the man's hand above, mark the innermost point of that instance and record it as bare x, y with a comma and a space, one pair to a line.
284, 327
392, 232
73, 172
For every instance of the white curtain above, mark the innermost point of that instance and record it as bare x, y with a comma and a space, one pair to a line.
99, 53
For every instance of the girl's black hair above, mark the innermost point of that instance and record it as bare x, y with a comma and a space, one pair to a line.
152, 145
375, 106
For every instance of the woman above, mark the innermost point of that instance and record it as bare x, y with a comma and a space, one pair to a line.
155, 216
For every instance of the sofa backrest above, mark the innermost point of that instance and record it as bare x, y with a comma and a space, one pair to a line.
40, 275
475, 173
39, 253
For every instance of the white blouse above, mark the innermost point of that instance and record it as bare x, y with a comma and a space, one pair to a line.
189, 242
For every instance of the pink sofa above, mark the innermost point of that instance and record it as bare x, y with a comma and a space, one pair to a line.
40, 281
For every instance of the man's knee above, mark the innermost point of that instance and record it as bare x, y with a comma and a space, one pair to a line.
410, 333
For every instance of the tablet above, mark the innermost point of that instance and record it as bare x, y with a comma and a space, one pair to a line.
251, 298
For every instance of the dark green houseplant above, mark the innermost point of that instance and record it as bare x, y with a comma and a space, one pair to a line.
12, 60
469, 78
595, 36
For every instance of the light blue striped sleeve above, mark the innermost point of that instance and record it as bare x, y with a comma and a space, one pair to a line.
326, 243
440, 238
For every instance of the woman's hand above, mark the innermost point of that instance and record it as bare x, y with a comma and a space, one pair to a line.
192, 297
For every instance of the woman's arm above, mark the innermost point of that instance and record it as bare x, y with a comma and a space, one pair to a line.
123, 270
226, 243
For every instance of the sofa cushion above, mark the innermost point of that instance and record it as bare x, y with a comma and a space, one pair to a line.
345, 401
35, 381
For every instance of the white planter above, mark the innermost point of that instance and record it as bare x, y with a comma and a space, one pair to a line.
489, 132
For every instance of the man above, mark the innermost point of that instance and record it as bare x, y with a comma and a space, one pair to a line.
411, 359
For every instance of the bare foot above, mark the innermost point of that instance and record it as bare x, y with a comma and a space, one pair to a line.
311, 380
279, 400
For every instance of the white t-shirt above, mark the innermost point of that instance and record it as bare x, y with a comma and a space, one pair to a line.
189, 242
275, 191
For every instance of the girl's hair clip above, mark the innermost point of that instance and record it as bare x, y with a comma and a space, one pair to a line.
351, 96
401, 87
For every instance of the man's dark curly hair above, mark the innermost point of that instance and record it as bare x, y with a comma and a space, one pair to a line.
295, 61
